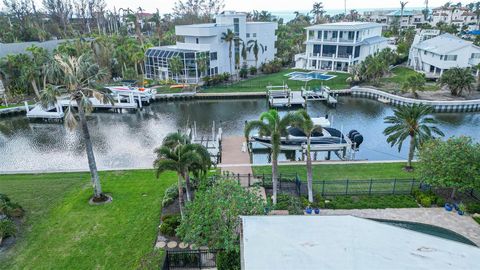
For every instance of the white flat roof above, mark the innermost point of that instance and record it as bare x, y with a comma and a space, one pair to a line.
344, 26
444, 44
345, 242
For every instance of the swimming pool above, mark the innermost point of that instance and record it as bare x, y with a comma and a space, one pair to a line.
428, 229
306, 76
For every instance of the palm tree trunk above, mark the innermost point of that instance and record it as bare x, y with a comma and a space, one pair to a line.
411, 151
97, 188
188, 186
309, 173
274, 177
180, 194
35, 88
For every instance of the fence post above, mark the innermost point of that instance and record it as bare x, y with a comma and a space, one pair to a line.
394, 185
370, 187
199, 259
346, 188
248, 179
238, 178
411, 187
263, 179
323, 188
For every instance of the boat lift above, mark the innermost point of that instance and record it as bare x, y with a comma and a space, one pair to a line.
213, 143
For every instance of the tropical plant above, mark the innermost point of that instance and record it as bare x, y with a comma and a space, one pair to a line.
178, 154
175, 65
213, 218
318, 11
413, 83
202, 63
79, 76
229, 37
457, 80
255, 47
402, 10
454, 163
7, 228
414, 122
272, 125
308, 127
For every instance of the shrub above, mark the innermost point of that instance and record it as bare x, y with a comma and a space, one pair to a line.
170, 224
473, 208
289, 202
171, 193
426, 201
243, 73
271, 67
225, 76
228, 260
9, 208
7, 228
440, 201
253, 70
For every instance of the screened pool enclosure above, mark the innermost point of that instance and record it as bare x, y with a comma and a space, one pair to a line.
180, 65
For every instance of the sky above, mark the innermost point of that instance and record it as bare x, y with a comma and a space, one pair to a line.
165, 6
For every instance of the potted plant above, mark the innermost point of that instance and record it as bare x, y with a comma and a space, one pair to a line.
317, 211
456, 206
448, 207
461, 209
308, 210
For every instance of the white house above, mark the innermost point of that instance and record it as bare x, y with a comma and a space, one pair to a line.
204, 41
411, 18
337, 46
436, 55
459, 16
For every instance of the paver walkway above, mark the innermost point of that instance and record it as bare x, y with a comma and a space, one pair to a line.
234, 153
463, 225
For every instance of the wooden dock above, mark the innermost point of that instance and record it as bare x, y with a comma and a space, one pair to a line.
120, 103
54, 112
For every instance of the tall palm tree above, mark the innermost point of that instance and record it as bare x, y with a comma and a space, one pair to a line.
306, 125
178, 154
229, 37
402, 9
414, 122
78, 77
272, 125
157, 19
243, 53
318, 11
202, 63
255, 46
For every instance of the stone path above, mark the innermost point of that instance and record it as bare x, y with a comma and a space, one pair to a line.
463, 225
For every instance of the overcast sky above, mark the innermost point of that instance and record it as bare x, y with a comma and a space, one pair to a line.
165, 6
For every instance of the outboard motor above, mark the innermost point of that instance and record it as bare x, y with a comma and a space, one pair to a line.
355, 137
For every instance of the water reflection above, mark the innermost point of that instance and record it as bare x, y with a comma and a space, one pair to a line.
127, 140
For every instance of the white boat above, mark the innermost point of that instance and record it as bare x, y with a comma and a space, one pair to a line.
145, 94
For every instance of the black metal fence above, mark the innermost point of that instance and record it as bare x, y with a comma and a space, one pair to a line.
190, 259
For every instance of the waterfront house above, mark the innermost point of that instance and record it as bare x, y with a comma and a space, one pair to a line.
459, 16
433, 56
337, 46
204, 41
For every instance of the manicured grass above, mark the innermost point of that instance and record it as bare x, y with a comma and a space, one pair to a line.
259, 83
63, 231
168, 90
345, 171
399, 77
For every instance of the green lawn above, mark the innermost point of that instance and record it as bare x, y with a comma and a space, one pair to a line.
63, 231
259, 84
399, 77
167, 90
345, 171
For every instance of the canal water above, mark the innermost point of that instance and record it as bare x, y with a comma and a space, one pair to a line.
127, 140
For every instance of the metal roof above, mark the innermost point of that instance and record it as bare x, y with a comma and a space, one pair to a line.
374, 40
21, 47
344, 26
443, 44
345, 242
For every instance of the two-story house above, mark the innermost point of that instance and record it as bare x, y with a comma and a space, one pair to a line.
338, 46
436, 55
203, 52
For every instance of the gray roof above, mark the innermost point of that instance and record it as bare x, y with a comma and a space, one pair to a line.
21, 47
345, 242
374, 40
443, 44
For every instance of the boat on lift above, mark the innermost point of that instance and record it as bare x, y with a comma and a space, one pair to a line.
145, 94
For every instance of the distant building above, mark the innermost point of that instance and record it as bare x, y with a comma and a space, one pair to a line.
338, 46
410, 18
433, 54
459, 16
200, 40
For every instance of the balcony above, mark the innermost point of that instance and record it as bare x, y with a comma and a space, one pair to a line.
330, 56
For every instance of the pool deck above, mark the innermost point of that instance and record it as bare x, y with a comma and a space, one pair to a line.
463, 225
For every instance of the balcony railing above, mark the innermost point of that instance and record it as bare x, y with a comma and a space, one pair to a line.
330, 55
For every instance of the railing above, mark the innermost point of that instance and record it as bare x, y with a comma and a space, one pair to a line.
190, 259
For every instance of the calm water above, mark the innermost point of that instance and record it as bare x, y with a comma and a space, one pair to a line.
127, 140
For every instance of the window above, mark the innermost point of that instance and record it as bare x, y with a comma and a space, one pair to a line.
196, 40
450, 58
425, 52
248, 35
334, 34
314, 63
265, 48
213, 56
236, 25
325, 34
441, 57
319, 35
475, 55
254, 34
316, 49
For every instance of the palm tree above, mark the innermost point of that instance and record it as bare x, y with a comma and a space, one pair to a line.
229, 37
457, 79
255, 46
243, 53
414, 122
272, 125
318, 11
175, 64
402, 9
202, 63
305, 123
78, 76
178, 154
413, 83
